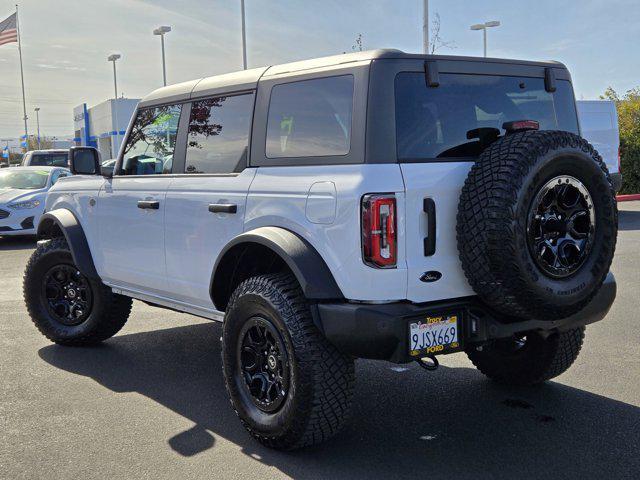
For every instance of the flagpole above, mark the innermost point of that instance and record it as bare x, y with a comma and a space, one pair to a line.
24, 101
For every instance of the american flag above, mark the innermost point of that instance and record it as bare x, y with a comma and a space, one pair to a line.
8, 32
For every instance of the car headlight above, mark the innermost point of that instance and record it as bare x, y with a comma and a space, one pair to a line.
24, 205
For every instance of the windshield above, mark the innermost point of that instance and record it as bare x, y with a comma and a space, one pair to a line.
31, 180
463, 114
49, 160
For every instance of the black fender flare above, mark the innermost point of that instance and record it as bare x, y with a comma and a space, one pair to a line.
64, 221
304, 261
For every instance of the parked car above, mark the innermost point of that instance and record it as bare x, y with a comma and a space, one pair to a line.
22, 197
599, 125
377, 205
46, 158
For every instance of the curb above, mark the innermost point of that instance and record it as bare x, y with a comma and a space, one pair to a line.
628, 198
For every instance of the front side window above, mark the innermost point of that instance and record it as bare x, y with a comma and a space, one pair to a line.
310, 118
49, 160
451, 119
219, 134
151, 143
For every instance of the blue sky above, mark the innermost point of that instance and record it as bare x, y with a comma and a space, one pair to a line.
66, 42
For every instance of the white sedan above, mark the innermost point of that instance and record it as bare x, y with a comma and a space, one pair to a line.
22, 194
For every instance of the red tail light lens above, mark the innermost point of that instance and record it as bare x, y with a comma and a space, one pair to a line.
379, 237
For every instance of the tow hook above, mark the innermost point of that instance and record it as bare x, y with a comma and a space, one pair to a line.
429, 363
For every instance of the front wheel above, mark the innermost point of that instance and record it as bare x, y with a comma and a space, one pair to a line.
67, 307
288, 385
528, 359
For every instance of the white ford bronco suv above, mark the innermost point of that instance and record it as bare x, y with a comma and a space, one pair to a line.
376, 205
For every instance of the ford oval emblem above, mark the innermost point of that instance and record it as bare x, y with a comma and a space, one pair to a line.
431, 276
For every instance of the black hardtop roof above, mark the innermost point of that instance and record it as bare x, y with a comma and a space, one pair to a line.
247, 79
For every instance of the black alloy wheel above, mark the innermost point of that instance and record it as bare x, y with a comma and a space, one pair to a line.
67, 294
263, 364
561, 226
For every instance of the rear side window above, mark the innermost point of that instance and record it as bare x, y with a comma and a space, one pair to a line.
439, 122
219, 134
151, 143
310, 118
49, 160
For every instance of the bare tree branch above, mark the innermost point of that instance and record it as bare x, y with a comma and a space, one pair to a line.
436, 40
357, 46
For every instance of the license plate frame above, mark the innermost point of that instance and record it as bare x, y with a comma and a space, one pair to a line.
435, 323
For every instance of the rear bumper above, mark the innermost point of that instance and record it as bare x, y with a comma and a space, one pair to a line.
381, 331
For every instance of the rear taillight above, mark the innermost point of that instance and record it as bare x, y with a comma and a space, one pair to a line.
379, 237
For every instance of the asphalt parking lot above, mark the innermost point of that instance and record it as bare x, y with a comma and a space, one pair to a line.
150, 403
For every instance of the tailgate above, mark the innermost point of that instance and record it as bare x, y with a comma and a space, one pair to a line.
442, 182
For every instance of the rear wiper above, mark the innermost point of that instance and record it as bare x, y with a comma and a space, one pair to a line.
485, 135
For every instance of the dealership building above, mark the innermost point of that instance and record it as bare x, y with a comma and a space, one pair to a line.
104, 125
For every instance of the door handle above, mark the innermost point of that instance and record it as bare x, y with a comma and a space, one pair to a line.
429, 207
223, 208
149, 204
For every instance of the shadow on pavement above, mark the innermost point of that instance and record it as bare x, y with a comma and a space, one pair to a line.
451, 423
629, 220
17, 243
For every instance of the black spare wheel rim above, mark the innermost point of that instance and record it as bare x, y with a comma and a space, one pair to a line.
537, 225
67, 295
561, 226
263, 364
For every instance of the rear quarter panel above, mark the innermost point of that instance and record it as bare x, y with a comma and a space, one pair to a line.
280, 196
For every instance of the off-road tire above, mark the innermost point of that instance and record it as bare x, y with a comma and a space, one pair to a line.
321, 378
492, 224
109, 311
540, 359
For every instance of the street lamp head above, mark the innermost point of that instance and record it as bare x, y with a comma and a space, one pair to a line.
477, 26
37, 109
162, 30
113, 57
493, 23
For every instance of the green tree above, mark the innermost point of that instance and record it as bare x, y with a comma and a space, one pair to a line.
45, 143
628, 106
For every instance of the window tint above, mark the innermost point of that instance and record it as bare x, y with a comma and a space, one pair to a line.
311, 118
440, 122
150, 145
219, 134
49, 160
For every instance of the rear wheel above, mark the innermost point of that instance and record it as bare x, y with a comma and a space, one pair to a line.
67, 307
288, 385
528, 359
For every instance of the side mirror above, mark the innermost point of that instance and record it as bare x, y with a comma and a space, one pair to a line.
84, 161
106, 171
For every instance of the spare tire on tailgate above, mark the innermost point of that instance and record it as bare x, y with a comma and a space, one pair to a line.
537, 224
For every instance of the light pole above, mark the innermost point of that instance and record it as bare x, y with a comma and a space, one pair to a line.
112, 58
244, 37
483, 27
425, 26
162, 31
37, 109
